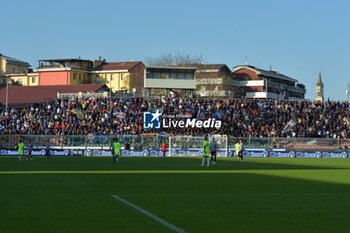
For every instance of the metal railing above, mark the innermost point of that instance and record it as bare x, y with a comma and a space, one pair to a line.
146, 141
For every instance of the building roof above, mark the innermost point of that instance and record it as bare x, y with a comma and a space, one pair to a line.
37, 94
60, 60
14, 61
265, 73
187, 68
212, 67
117, 65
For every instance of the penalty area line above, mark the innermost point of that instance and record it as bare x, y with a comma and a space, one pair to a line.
149, 214
235, 194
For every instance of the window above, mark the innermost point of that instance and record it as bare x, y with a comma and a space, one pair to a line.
189, 76
181, 75
164, 76
156, 75
74, 76
14, 70
173, 76
33, 79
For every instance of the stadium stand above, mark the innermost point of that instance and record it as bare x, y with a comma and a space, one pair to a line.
240, 118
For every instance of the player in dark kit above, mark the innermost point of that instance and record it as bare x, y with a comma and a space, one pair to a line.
30, 151
213, 151
47, 150
241, 149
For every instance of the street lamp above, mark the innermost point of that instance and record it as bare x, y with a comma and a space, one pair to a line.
110, 87
7, 93
266, 91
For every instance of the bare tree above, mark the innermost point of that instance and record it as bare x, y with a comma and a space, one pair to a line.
173, 60
15, 83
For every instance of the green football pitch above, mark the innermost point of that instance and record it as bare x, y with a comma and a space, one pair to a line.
87, 194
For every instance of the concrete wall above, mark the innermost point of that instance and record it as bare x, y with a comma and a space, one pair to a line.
54, 78
2, 66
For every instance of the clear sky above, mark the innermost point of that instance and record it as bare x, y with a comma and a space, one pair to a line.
297, 38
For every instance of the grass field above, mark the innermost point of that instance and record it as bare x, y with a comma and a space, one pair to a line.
77, 194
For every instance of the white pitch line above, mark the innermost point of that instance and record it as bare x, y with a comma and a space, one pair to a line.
149, 214
127, 172
235, 194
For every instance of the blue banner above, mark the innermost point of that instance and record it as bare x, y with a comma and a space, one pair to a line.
303, 154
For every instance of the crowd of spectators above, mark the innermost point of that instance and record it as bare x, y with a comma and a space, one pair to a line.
240, 118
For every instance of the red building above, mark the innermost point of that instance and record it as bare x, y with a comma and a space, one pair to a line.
258, 83
64, 72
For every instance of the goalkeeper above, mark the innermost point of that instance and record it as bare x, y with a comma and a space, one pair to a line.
116, 150
206, 146
20, 148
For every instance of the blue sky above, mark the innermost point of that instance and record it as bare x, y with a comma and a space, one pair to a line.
297, 38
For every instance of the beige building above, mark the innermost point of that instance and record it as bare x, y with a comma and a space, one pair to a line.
214, 80
173, 80
17, 71
126, 77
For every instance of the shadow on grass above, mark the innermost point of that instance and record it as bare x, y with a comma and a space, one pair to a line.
172, 163
193, 163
